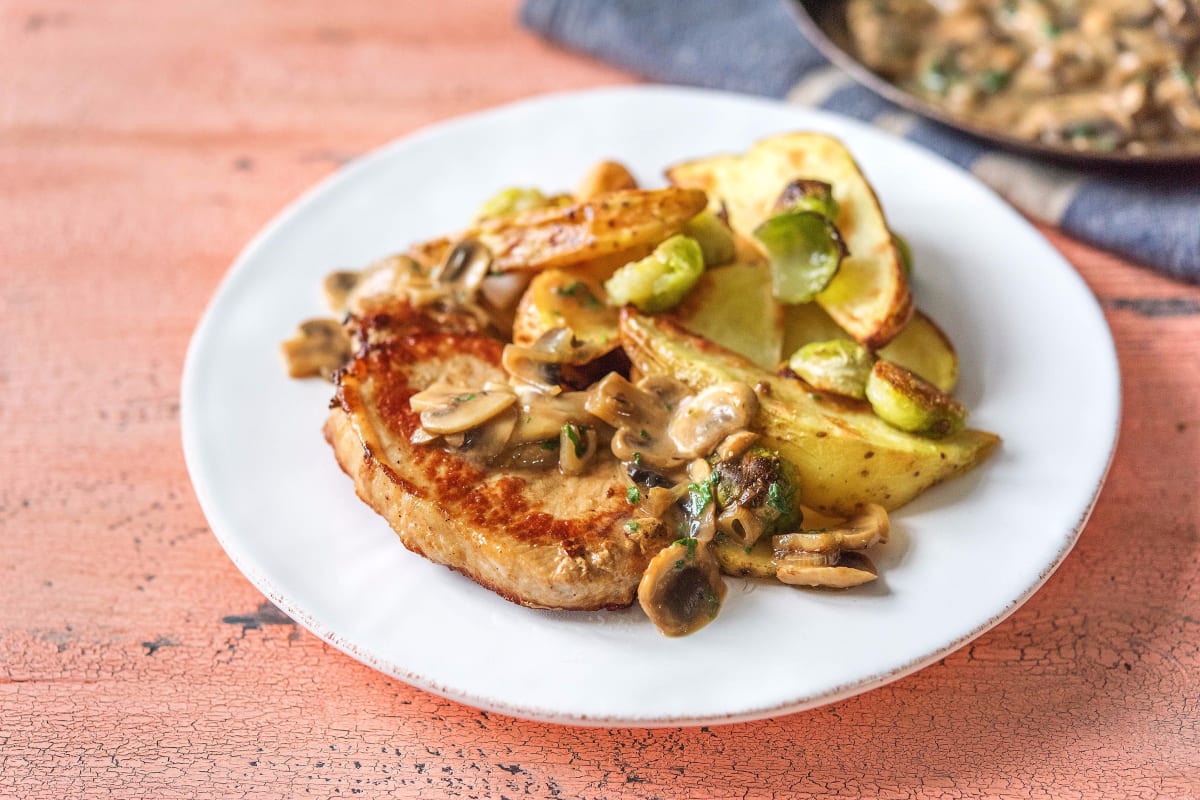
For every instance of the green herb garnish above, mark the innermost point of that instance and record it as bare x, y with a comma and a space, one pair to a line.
690, 545
993, 80
778, 499
633, 495
1183, 75
572, 432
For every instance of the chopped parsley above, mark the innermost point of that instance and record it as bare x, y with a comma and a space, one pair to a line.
632, 526
573, 433
633, 495
700, 495
778, 498
690, 546
645, 434
1183, 75
579, 291
637, 458
465, 398
993, 80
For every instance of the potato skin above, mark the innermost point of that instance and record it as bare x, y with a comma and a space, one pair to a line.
845, 456
567, 236
870, 297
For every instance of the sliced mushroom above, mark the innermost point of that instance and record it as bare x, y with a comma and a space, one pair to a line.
741, 524
864, 530
445, 411
320, 347
702, 421
682, 590
541, 364
576, 447
337, 287
641, 419
735, 445
489, 440
465, 267
394, 276
542, 416
832, 571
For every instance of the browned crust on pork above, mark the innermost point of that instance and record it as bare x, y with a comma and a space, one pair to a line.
537, 539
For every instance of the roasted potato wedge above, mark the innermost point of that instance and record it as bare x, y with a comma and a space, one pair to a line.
923, 348
605, 177
556, 237
733, 307
869, 297
845, 456
805, 324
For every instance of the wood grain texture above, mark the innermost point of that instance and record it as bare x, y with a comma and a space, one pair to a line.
141, 144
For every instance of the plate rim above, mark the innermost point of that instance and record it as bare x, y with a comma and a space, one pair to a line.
217, 520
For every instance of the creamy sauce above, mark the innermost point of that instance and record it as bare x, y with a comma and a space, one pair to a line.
1092, 75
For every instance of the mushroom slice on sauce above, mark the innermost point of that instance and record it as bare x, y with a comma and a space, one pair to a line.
465, 267
682, 589
829, 570
702, 421
861, 531
540, 365
446, 410
640, 418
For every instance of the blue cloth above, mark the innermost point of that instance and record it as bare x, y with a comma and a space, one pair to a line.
1150, 215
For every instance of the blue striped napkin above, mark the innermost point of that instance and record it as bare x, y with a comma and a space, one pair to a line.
1150, 215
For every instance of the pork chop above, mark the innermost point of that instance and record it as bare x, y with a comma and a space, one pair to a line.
535, 537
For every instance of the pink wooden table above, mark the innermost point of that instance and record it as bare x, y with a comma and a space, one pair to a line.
141, 145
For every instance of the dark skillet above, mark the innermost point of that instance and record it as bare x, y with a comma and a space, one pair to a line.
823, 22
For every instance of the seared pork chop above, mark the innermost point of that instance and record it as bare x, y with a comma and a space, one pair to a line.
535, 537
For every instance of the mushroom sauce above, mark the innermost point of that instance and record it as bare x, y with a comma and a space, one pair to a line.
1092, 75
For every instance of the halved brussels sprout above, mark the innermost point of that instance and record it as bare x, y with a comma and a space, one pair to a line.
756, 495
510, 201
809, 195
660, 280
838, 365
714, 237
922, 348
806, 250
904, 401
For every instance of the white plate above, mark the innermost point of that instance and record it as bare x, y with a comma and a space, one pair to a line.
1038, 367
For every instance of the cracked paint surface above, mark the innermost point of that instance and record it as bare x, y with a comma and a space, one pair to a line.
135, 661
